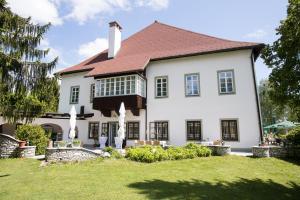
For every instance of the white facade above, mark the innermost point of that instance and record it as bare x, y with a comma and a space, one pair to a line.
210, 107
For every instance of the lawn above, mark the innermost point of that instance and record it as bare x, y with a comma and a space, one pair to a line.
229, 177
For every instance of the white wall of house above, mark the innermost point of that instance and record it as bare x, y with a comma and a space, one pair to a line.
209, 107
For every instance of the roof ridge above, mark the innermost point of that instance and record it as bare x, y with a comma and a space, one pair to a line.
197, 33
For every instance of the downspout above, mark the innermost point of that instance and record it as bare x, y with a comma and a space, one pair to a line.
146, 118
257, 99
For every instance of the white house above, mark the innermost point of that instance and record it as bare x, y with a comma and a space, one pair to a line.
177, 86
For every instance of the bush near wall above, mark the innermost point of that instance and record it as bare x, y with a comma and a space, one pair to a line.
35, 135
151, 154
293, 136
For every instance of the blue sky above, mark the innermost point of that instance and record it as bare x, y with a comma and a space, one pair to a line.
80, 27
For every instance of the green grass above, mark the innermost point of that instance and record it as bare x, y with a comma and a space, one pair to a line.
229, 177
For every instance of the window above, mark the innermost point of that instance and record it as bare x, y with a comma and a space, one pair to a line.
74, 96
226, 82
162, 130
161, 87
121, 85
192, 84
133, 130
193, 130
92, 91
104, 129
93, 129
229, 130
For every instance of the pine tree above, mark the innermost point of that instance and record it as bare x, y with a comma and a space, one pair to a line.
23, 71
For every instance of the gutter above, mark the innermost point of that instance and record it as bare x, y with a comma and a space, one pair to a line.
257, 98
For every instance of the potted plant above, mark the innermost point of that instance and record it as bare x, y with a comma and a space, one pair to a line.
22, 143
61, 144
76, 143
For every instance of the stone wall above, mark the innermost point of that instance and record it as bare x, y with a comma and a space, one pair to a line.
69, 154
275, 151
218, 150
8, 146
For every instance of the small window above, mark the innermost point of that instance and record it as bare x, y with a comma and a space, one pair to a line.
93, 130
192, 85
193, 130
226, 82
162, 130
74, 95
161, 87
133, 130
92, 91
229, 130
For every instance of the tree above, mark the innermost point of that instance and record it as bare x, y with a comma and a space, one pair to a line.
23, 72
283, 56
271, 113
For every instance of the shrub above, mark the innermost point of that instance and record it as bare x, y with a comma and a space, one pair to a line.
156, 153
108, 149
76, 143
36, 136
293, 136
115, 154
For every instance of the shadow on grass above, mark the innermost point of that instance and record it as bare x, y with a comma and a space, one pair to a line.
196, 189
4, 175
295, 161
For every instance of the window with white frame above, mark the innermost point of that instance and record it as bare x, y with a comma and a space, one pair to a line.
192, 85
226, 82
74, 95
161, 87
121, 85
92, 91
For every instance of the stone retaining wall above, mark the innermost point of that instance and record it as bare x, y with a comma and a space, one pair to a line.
8, 146
275, 151
69, 154
219, 150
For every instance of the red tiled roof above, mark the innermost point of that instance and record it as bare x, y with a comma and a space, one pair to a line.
156, 41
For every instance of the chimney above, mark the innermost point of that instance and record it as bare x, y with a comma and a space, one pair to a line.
114, 39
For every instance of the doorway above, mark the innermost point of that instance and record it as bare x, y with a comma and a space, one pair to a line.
112, 133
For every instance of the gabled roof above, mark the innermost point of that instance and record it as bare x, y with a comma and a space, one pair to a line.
156, 41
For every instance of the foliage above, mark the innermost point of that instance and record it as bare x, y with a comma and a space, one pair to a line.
108, 149
283, 56
76, 142
293, 136
36, 136
151, 154
26, 91
271, 112
113, 153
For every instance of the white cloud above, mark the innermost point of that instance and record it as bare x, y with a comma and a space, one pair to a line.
91, 48
83, 10
258, 34
41, 11
154, 4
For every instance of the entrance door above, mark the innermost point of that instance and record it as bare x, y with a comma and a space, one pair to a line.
112, 133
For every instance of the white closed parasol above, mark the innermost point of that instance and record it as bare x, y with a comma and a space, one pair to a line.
121, 131
72, 122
